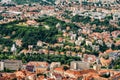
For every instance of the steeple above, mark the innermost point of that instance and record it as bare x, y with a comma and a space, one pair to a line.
13, 49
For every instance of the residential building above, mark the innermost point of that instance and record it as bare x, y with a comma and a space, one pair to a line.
1, 66
73, 74
105, 62
97, 67
39, 43
13, 64
54, 65
79, 65
89, 58
73, 37
36, 66
59, 70
116, 16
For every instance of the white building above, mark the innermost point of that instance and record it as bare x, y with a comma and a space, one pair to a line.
58, 26
79, 65
88, 43
39, 43
81, 38
95, 47
97, 67
13, 48
1, 66
54, 65
73, 37
13, 64
77, 42
116, 16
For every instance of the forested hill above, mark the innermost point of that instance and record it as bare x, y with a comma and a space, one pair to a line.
44, 2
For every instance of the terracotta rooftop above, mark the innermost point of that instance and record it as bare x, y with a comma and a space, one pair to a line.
59, 69
37, 63
105, 62
115, 77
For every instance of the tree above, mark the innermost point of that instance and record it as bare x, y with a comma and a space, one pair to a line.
65, 68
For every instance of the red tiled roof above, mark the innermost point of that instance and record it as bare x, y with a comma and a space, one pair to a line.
59, 69
37, 63
115, 77
105, 62
88, 71
76, 73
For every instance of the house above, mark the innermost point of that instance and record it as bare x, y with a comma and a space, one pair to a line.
65, 34
59, 70
73, 74
88, 43
58, 26
80, 38
89, 58
79, 65
39, 43
1, 65
25, 75
95, 47
5, 49
108, 44
115, 77
116, 16
97, 67
30, 68
73, 37
30, 47
114, 55
93, 76
77, 42
55, 76
105, 62
31, 76
36, 66
20, 74
18, 42
51, 52
13, 64
60, 39
25, 51
68, 28
73, 53
54, 65
100, 42
31, 22
7, 76
115, 34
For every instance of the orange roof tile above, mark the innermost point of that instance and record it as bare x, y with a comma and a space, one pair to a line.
115, 77
37, 63
105, 62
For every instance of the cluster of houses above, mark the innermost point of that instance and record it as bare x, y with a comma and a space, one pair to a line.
94, 40
20, 12
89, 68
89, 1
36, 70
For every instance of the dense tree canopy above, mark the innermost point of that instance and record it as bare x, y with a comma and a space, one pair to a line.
40, 57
